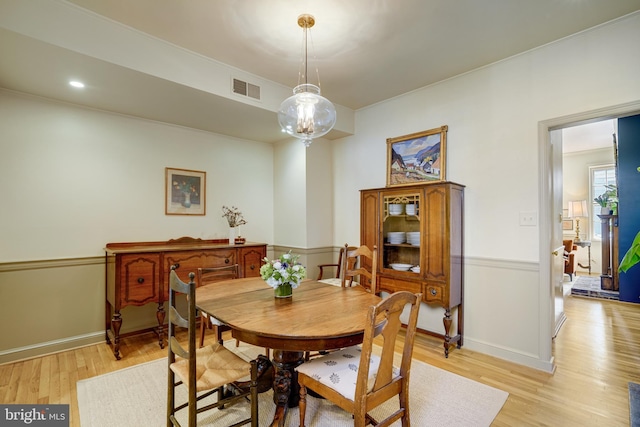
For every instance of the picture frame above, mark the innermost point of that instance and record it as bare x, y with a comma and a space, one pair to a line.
185, 192
417, 158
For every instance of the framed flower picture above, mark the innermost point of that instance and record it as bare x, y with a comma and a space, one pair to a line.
185, 192
417, 158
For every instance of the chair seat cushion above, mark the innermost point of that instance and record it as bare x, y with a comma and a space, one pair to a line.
215, 367
339, 370
212, 319
334, 281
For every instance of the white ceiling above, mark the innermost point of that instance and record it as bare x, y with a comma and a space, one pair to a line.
366, 50
590, 136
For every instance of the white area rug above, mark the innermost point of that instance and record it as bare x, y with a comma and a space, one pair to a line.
136, 397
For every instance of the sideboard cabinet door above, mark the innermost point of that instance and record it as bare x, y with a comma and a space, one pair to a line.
251, 260
139, 279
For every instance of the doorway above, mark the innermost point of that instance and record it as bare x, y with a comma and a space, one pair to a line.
550, 225
587, 154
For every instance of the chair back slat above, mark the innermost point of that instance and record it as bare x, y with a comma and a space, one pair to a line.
177, 349
176, 284
384, 319
360, 263
176, 318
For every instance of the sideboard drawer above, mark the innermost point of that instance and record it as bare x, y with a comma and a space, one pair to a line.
392, 284
190, 261
435, 293
139, 278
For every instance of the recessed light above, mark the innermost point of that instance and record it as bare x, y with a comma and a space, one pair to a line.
76, 83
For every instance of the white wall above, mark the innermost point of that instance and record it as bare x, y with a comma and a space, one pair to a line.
493, 116
290, 193
320, 195
74, 179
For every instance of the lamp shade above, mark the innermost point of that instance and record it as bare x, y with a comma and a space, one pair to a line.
578, 209
307, 114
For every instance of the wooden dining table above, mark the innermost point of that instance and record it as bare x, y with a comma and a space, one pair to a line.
317, 317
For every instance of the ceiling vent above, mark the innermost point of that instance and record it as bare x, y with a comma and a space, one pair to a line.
246, 89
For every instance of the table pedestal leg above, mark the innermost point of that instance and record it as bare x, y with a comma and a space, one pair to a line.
285, 383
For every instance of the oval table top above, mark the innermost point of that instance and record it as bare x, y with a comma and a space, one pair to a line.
317, 317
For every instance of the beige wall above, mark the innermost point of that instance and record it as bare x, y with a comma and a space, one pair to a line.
50, 305
82, 178
76, 179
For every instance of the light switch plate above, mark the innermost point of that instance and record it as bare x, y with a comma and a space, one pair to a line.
528, 218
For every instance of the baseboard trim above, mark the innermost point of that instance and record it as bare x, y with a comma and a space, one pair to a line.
42, 349
510, 355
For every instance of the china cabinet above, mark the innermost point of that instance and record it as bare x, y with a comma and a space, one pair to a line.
137, 273
418, 230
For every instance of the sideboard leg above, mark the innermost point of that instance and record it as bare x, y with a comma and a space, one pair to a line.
447, 328
116, 323
160, 315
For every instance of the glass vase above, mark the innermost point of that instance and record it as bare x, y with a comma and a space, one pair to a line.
283, 291
233, 233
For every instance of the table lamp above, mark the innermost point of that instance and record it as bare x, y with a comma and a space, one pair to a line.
577, 210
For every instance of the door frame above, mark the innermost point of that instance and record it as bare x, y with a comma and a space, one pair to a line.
545, 173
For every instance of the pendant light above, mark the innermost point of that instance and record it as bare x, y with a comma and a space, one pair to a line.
307, 114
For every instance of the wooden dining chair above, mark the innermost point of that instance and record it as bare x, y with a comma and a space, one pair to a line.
204, 371
357, 380
360, 266
352, 271
337, 266
206, 276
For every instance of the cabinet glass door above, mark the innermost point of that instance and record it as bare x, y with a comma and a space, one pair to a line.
401, 232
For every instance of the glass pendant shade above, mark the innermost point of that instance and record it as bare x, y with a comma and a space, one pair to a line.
307, 114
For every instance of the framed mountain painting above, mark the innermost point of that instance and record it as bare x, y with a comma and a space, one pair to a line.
417, 158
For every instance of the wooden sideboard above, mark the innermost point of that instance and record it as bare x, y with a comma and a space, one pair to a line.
137, 273
420, 226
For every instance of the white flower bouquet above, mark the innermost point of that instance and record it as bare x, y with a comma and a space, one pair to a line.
284, 270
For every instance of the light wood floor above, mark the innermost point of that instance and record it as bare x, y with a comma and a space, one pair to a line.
597, 352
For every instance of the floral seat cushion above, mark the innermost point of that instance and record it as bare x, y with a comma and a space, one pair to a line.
339, 370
